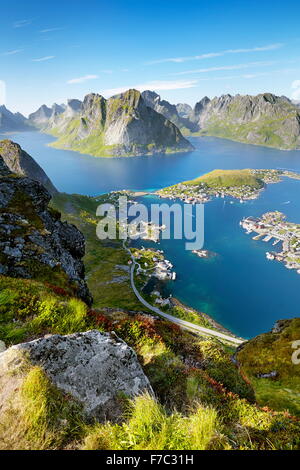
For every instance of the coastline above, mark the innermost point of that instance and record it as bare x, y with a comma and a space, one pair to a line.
215, 325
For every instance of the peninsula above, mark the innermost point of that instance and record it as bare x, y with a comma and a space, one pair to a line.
239, 184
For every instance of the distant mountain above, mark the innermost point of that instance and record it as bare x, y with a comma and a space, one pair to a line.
184, 110
264, 119
154, 101
22, 164
41, 117
121, 125
11, 122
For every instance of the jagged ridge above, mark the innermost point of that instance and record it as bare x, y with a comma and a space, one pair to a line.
121, 125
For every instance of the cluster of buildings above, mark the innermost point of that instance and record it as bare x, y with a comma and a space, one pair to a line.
272, 227
189, 194
154, 264
195, 194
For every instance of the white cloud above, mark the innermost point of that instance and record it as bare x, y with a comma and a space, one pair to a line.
21, 23
296, 88
49, 30
43, 59
82, 79
210, 55
227, 67
154, 85
16, 51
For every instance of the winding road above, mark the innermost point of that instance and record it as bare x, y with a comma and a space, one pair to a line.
182, 323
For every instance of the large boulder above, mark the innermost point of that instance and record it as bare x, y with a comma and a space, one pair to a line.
94, 368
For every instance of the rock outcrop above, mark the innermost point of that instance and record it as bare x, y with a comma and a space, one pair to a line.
41, 117
19, 162
121, 126
264, 119
34, 243
170, 111
12, 122
93, 368
184, 110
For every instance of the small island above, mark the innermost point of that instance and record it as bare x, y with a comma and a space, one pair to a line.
273, 226
243, 184
204, 253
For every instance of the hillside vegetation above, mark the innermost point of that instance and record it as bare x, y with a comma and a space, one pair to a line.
121, 126
228, 178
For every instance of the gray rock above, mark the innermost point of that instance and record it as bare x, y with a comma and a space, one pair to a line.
32, 235
10, 122
93, 367
264, 119
125, 124
268, 375
22, 164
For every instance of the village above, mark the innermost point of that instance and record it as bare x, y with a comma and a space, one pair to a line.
152, 264
197, 191
272, 226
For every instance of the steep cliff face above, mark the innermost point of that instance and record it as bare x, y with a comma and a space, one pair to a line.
41, 117
184, 110
122, 125
170, 111
34, 243
11, 122
264, 119
19, 162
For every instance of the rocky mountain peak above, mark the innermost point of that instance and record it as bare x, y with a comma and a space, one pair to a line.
34, 243
22, 164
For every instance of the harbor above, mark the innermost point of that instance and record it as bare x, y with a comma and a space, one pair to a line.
272, 226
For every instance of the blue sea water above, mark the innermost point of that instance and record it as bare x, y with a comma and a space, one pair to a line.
239, 287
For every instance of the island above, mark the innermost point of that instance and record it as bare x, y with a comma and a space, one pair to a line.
239, 184
122, 125
272, 225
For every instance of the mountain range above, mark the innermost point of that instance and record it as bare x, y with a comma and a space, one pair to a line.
11, 122
121, 125
134, 123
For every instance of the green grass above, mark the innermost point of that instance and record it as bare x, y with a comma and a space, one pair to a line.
149, 427
29, 308
228, 178
196, 407
273, 352
264, 132
105, 261
40, 417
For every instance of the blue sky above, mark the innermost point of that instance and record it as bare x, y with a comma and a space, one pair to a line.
51, 51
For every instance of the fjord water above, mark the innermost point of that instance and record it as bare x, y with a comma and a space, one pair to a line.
239, 287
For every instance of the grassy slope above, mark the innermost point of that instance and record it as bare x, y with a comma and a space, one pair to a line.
228, 178
218, 179
108, 282
202, 400
273, 352
267, 130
